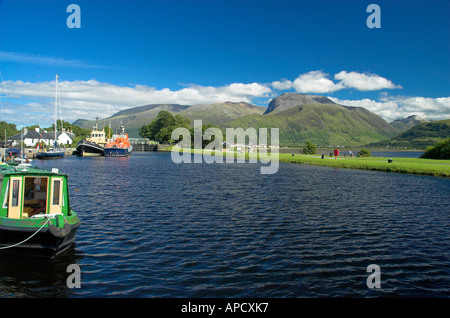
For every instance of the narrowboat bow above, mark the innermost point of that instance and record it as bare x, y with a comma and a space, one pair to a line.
35, 214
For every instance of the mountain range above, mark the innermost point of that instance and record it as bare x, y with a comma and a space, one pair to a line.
407, 123
319, 120
419, 136
134, 118
299, 117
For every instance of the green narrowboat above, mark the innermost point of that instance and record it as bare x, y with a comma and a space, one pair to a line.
35, 214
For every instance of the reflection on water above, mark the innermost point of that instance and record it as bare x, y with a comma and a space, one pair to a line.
35, 277
152, 228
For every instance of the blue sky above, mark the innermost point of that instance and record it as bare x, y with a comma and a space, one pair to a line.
135, 52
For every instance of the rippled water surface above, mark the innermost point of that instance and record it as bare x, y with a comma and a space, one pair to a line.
152, 228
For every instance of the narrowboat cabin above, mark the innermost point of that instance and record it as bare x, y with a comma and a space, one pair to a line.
35, 214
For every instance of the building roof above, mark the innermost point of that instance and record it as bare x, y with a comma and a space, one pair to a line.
32, 134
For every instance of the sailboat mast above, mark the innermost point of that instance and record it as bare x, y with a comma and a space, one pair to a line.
3, 119
21, 144
56, 106
60, 112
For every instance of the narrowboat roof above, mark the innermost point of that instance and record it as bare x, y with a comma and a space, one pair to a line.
26, 169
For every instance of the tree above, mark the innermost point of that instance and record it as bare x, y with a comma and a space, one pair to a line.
364, 153
32, 127
182, 121
309, 148
59, 124
80, 132
205, 142
11, 130
439, 151
161, 128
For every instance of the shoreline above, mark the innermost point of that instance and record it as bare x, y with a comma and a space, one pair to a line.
416, 166
30, 153
353, 149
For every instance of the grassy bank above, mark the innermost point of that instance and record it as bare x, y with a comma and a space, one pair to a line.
430, 167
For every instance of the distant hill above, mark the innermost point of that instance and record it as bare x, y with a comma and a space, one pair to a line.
324, 122
419, 136
407, 123
150, 109
84, 123
132, 118
220, 113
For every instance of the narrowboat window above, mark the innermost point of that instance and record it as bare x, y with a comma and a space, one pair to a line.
15, 193
56, 187
35, 196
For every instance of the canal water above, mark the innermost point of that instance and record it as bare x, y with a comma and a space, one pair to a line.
397, 154
153, 228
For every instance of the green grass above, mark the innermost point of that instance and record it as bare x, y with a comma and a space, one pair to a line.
419, 166
431, 167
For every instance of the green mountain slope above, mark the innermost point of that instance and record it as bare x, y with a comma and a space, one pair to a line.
406, 123
220, 113
323, 124
133, 118
419, 136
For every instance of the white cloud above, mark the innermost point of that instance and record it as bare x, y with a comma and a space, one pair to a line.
364, 82
28, 58
95, 91
32, 103
253, 89
315, 82
282, 85
86, 99
319, 82
391, 108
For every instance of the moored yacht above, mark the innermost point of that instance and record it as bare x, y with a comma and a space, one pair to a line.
53, 153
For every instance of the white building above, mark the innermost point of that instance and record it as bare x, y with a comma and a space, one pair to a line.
32, 137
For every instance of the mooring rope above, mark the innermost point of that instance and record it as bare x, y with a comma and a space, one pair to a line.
5, 247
